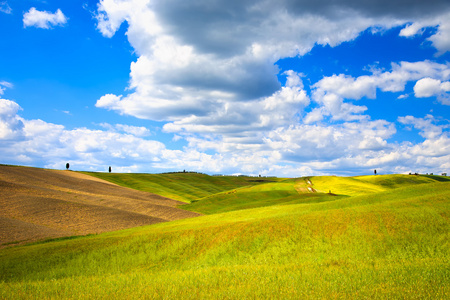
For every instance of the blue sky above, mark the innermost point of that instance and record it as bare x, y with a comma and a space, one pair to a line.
285, 88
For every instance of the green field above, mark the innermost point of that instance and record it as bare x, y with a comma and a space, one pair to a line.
280, 193
377, 237
184, 187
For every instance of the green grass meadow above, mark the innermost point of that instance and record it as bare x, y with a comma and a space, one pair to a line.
184, 187
377, 237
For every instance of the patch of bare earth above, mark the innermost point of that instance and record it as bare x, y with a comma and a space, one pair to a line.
304, 186
37, 204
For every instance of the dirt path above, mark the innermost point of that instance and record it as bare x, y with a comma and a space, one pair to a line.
36, 204
304, 185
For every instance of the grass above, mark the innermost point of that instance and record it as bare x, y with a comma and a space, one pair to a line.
274, 193
363, 185
184, 187
217, 194
293, 191
392, 243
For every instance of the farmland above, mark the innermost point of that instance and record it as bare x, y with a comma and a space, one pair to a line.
381, 237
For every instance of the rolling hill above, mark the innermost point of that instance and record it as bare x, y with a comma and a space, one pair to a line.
380, 237
209, 194
38, 204
184, 187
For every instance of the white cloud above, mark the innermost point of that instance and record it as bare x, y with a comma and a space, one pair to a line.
4, 85
330, 142
249, 119
333, 92
11, 125
427, 129
192, 70
5, 8
208, 72
441, 39
433, 152
211, 79
412, 29
43, 19
330, 92
133, 130
429, 87
294, 150
373, 143
138, 131
37, 142
194, 66
109, 101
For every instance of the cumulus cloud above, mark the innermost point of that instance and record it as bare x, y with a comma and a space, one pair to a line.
440, 21
325, 143
333, 92
43, 19
277, 110
294, 150
441, 40
426, 126
207, 69
429, 87
36, 142
196, 59
224, 52
11, 125
412, 29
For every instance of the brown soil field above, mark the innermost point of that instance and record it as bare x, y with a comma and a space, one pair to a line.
38, 204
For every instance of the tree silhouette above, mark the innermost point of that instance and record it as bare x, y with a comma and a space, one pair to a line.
67, 166
375, 172
109, 169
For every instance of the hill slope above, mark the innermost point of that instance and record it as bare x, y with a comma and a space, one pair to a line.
184, 187
392, 244
288, 191
38, 204
216, 194
304, 190
363, 185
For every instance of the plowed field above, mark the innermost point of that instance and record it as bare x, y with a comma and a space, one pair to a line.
38, 204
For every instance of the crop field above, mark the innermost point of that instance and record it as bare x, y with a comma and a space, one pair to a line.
39, 204
377, 237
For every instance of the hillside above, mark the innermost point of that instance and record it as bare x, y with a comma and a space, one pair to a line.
364, 185
283, 192
390, 244
217, 194
184, 187
38, 204
304, 190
